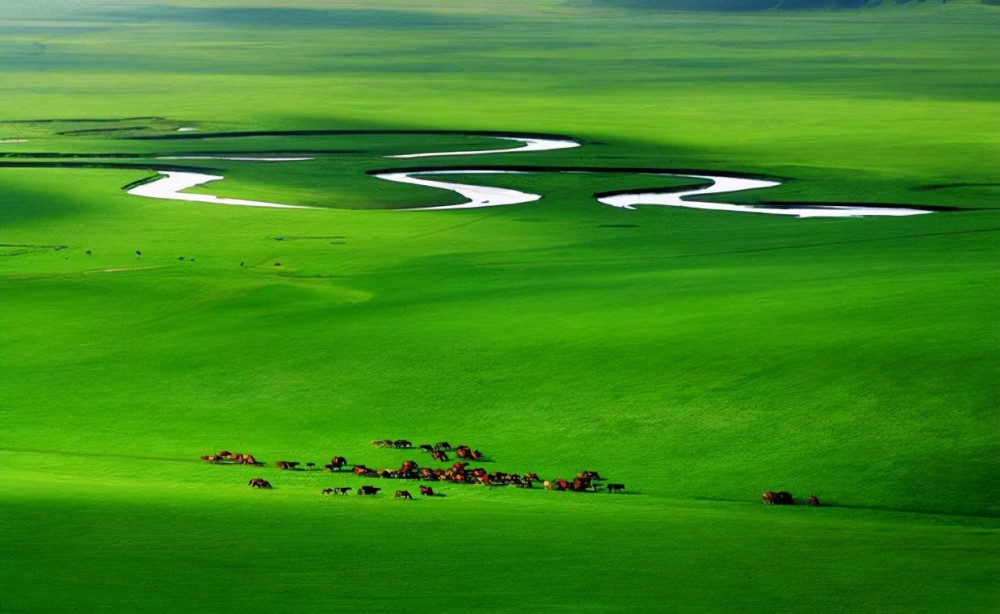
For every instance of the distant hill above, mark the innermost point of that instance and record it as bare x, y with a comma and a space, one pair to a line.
754, 5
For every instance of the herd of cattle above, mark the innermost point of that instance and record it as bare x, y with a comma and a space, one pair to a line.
460, 472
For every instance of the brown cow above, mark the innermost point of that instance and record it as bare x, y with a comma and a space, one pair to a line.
403, 494
259, 483
777, 498
442, 445
427, 491
248, 459
286, 464
814, 501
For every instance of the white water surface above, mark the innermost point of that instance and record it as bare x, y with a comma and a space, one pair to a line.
170, 185
186, 129
529, 145
479, 196
721, 185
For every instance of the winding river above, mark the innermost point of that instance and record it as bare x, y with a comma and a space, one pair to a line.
170, 184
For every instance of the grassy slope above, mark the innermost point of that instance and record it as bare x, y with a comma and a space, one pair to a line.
689, 354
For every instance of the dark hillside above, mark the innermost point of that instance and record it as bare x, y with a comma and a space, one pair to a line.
748, 5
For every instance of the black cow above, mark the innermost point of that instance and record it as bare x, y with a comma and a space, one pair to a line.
368, 490
403, 494
259, 483
616, 488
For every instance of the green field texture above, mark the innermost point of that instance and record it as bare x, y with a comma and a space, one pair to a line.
699, 357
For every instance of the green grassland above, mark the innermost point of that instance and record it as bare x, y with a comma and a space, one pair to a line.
699, 357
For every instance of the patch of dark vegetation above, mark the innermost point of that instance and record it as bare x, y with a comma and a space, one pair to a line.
826, 205
102, 130
307, 238
79, 120
744, 5
308, 18
19, 249
951, 186
76, 156
262, 154
118, 165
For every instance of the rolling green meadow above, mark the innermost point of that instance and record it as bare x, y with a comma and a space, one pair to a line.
698, 357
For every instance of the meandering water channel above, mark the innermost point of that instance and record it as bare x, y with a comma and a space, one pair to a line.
170, 184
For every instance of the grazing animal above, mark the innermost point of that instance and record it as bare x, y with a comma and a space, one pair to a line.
336, 463
562, 484
548, 485
777, 498
814, 501
442, 445
439, 455
337, 491
427, 491
211, 458
327, 491
360, 470
403, 494
402, 443
311, 466
286, 464
368, 490
616, 488
426, 447
259, 483
463, 451
476, 455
